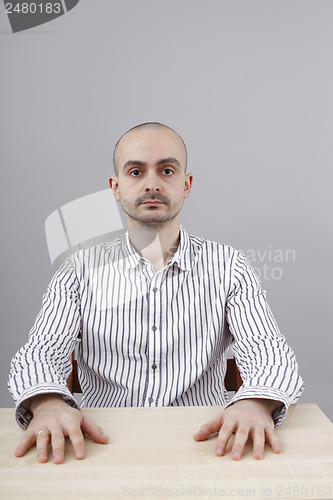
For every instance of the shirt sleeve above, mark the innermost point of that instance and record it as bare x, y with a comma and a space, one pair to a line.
266, 362
43, 364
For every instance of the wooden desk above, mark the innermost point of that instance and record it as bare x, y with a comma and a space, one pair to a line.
151, 454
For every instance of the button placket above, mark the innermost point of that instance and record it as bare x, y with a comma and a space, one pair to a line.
154, 338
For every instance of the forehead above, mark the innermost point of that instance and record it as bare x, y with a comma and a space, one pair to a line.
150, 145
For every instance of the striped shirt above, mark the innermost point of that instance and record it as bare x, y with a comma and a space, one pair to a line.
146, 338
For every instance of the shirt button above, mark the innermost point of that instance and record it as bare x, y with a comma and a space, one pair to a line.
155, 289
154, 328
154, 366
151, 400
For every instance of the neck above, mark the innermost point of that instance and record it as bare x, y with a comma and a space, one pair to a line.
158, 245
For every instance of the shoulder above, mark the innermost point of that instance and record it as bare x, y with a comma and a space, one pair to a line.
215, 250
220, 255
94, 256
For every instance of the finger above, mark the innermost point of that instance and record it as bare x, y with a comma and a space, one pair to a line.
208, 429
27, 442
241, 437
58, 447
273, 440
94, 431
223, 438
258, 437
77, 440
42, 443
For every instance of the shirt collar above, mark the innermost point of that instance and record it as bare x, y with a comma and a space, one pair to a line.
183, 255
130, 256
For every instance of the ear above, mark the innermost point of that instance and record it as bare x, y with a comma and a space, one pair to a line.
114, 185
188, 185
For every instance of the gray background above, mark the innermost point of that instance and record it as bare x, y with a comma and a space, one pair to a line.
248, 84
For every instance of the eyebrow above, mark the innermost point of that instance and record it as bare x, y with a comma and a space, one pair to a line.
169, 160
138, 163
131, 163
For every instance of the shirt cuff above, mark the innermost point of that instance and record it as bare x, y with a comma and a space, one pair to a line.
23, 416
279, 415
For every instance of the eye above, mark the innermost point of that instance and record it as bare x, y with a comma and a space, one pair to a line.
168, 171
135, 173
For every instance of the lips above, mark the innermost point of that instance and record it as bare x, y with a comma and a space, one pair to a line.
152, 202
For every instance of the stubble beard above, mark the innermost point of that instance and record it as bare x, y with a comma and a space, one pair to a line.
151, 218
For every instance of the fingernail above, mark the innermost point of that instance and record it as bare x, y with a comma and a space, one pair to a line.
42, 457
236, 455
218, 451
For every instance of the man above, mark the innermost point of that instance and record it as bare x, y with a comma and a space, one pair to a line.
153, 313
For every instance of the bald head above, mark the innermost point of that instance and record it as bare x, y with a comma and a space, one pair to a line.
139, 132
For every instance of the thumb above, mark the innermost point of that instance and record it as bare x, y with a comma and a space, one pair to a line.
209, 428
94, 431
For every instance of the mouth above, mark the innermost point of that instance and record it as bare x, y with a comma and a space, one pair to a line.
152, 202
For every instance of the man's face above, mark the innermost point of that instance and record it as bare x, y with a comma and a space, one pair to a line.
151, 184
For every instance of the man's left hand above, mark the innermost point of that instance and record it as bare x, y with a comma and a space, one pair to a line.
246, 418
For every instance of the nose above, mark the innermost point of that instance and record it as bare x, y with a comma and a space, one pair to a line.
152, 183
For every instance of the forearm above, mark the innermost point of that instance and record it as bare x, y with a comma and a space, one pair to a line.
44, 362
266, 362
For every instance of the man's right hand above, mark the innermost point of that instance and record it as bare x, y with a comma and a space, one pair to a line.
54, 420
